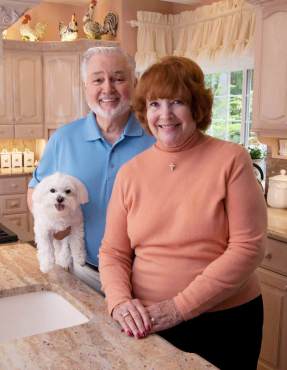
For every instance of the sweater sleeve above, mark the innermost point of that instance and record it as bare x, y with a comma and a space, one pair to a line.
116, 254
247, 221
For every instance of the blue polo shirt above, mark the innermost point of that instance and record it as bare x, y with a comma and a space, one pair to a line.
80, 150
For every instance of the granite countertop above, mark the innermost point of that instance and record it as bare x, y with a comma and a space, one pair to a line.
16, 171
97, 344
277, 223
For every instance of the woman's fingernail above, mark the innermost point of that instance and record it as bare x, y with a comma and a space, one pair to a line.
130, 333
122, 330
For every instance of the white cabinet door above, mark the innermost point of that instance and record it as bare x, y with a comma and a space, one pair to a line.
270, 88
6, 100
27, 78
62, 87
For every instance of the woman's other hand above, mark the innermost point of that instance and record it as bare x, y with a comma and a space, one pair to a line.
60, 235
133, 318
164, 315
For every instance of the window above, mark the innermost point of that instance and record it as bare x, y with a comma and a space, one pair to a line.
232, 108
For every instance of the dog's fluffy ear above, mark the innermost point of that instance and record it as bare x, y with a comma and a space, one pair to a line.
37, 194
82, 192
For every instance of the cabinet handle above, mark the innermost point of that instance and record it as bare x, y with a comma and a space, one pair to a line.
268, 256
14, 186
13, 204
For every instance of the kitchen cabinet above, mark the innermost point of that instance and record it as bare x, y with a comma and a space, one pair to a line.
273, 278
270, 88
13, 204
21, 105
6, 101
41, 87
63, 103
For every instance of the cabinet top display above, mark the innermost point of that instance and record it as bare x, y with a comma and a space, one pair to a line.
78, 45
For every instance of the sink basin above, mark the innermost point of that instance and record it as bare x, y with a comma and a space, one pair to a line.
34, 313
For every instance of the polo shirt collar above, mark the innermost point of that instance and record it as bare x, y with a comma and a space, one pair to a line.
133, 127
93, 132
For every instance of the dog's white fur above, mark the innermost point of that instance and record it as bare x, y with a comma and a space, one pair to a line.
56, 205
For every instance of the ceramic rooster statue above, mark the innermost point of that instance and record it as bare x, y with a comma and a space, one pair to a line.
69, 32
32, 34
110, 24
91, 28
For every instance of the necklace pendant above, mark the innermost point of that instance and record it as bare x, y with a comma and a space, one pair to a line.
172, 166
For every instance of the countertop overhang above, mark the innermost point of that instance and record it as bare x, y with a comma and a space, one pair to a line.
98, 344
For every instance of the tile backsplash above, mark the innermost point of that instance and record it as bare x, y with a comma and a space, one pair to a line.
36, 146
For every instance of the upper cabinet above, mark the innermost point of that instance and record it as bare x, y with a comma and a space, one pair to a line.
27, 86
62, 80
40, 86
21, 90
270, 84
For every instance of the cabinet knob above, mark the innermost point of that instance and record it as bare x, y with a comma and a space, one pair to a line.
13, 204
268, 256
13, 186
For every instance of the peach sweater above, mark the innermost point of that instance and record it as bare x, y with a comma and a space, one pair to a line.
195, 234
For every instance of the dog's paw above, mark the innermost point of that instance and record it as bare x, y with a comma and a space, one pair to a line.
80, 259
46, 267
64, 263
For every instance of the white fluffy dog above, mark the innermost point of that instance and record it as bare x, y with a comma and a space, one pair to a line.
56, 206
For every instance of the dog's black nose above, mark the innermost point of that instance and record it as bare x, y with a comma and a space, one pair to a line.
60, 199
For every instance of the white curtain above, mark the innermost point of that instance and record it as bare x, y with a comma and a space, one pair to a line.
218, 36
154, 38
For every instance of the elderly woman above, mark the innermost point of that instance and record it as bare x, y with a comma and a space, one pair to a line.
186, 228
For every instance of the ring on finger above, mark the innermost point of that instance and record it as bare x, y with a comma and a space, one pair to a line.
152, 319
124, 315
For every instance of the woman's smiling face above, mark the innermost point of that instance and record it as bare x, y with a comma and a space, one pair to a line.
170, 121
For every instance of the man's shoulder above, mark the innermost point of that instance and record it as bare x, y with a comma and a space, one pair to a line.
71, 128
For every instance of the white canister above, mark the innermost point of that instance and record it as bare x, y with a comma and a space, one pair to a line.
17, 158
28, 157
277, 191
5, 159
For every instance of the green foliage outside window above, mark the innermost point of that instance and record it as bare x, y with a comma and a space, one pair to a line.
227, 117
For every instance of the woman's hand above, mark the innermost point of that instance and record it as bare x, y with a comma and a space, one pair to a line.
133, 318
62, 234
164, 315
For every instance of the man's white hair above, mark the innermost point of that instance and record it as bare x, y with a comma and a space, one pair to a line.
106, 50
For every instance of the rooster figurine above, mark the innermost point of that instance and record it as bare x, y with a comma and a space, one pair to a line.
91, 28
69, 32
30, 34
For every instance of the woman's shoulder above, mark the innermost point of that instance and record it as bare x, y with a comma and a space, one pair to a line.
137, 163
224, 147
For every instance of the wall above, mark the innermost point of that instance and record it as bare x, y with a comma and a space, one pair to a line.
51, 14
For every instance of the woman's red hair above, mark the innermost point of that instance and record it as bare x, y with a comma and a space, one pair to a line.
175, 78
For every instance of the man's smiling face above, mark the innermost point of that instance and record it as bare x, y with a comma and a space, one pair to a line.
108, 85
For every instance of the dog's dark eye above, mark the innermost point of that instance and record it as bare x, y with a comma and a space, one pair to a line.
68, 191
52, 190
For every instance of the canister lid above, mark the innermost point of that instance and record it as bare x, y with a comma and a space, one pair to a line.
281, 177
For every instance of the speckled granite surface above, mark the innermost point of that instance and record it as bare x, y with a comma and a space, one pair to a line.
96, 345
277, 223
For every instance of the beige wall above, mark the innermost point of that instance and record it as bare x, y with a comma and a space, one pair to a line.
51, 14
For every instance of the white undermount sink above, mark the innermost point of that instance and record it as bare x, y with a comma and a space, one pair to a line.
34, 313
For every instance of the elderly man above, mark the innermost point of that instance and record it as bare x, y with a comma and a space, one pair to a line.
94, 148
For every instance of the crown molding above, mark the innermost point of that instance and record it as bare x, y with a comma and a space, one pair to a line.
264, 2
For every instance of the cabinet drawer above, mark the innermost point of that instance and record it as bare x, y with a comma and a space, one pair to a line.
6, 131
19, 220
276, 256
13, 185
29, 131
10, 204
